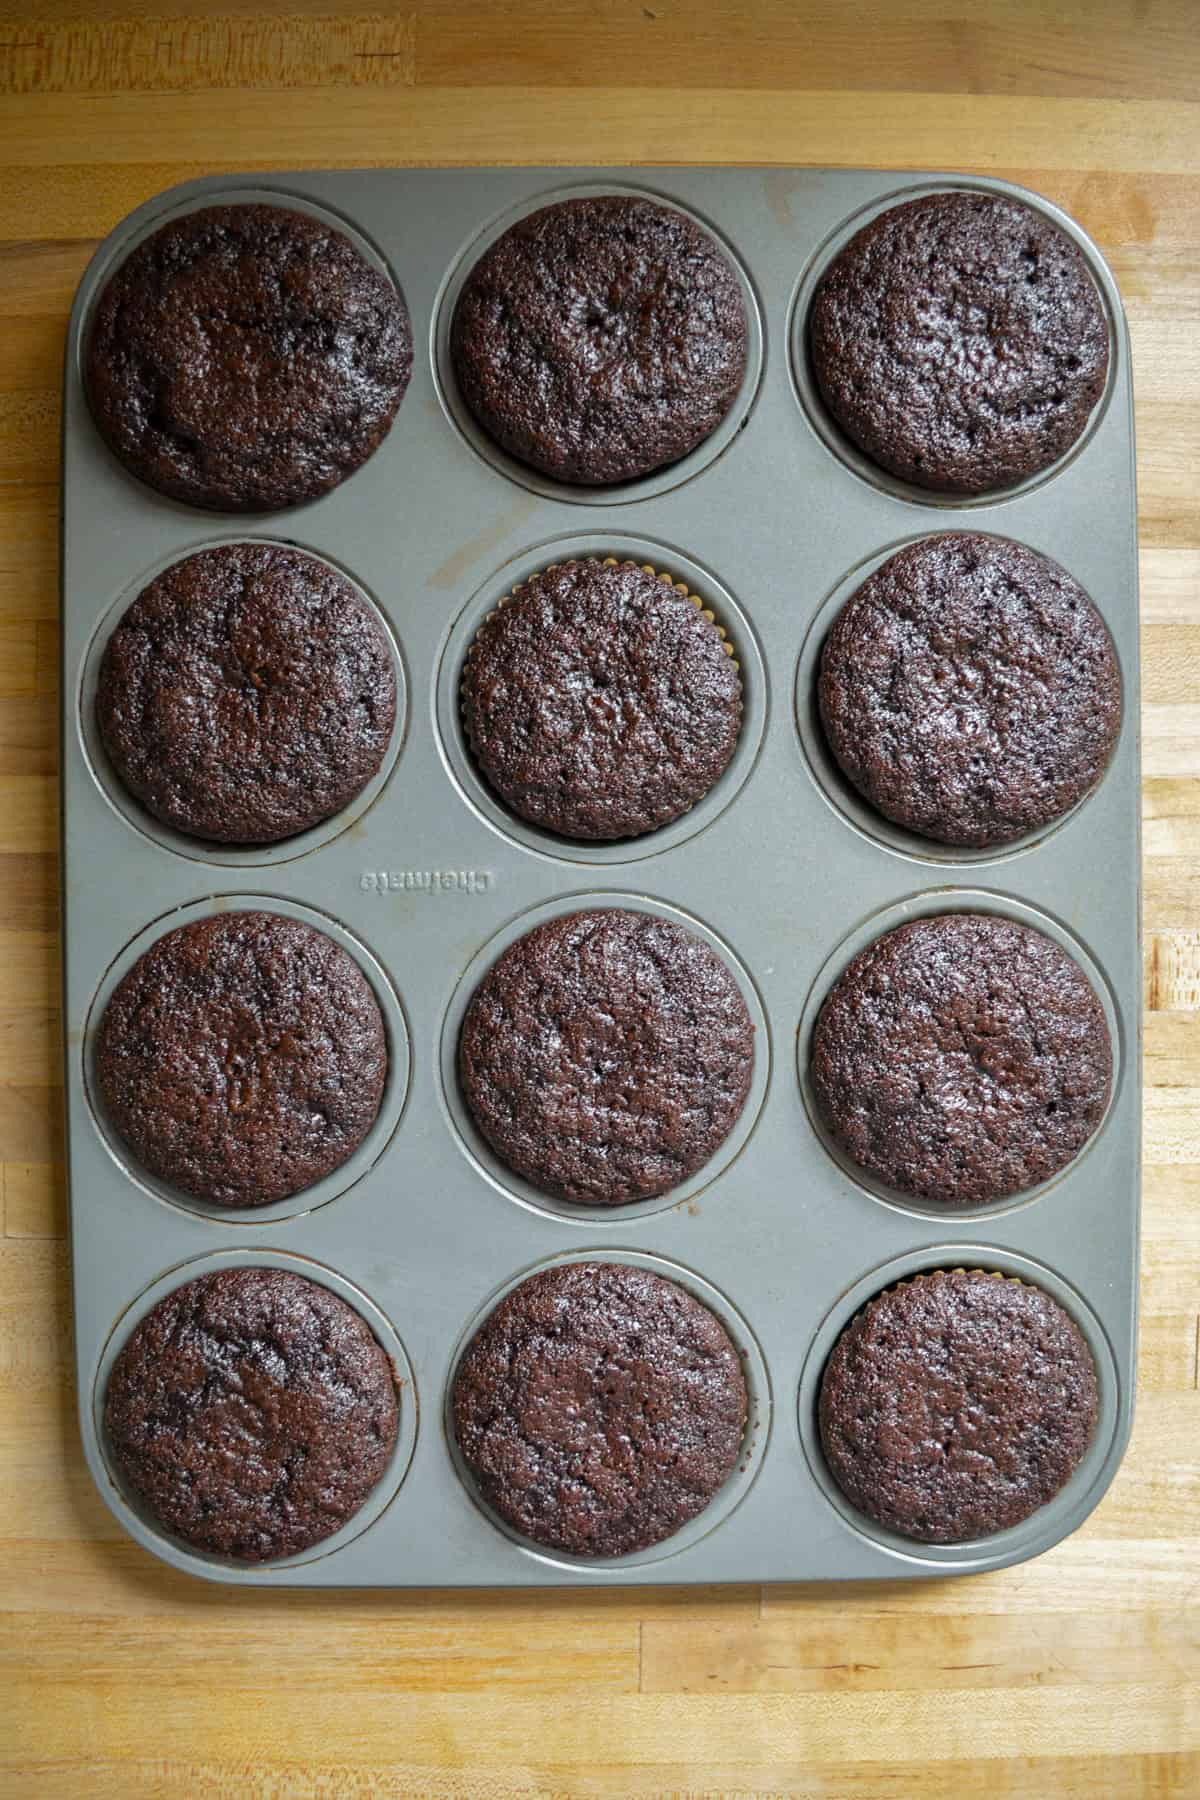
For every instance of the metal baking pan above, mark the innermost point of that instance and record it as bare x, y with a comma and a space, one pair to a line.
426, 878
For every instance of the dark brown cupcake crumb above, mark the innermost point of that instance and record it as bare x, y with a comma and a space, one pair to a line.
969, 690
246, 358
960, 341
247, 694
962, 1058
251, 1412
599, 702
243, 1057
599, 1408
606, 1056
600, 339
956, 1405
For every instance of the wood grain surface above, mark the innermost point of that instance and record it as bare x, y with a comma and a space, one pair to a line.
1077, 1675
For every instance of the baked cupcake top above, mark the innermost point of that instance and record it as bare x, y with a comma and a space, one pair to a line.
247, 694
243, 1057
960, 341
962, 1058
251, 1412
606, 1056
246, 358
599, 701
956, 1405
969, 690
601, 338
599, 1408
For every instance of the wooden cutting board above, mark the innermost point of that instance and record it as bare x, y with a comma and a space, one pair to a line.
1077, 1675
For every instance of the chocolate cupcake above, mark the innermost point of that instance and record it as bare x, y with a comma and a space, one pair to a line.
956, 1405
242, 1058
247, 694
962, 1058
960, 341
600, 339
246, 358
251, 1413
600, 701
969, 690
606, 1056
599, 1408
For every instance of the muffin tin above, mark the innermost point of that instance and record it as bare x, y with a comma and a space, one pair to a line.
427, 877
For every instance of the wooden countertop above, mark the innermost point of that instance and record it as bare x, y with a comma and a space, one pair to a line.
1077, 1675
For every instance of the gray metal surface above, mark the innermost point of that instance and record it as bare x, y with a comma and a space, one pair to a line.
780, 865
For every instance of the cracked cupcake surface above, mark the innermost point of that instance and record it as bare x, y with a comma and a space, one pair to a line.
960, 341
242, 1058
251, 1412
606, 1056
969, 690
246, 358
247, 694
600, 338
600, 702
962, 1058
599, 1408
956, 1404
